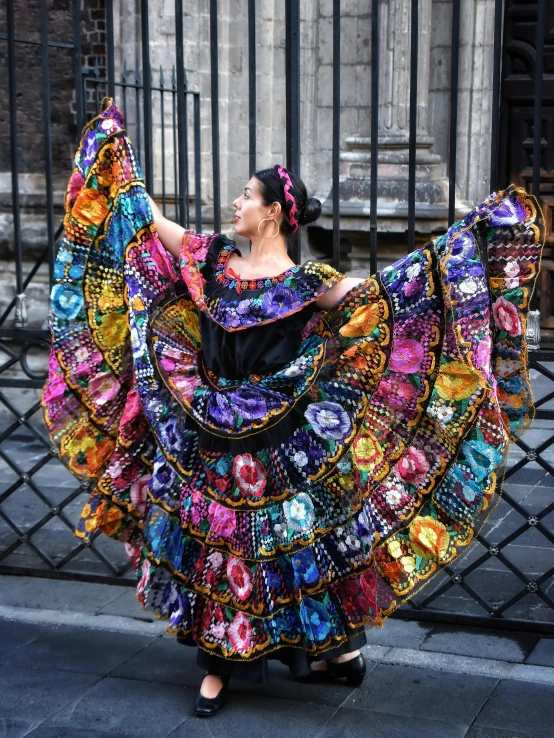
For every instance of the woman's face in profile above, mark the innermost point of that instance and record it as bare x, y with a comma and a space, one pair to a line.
250, 210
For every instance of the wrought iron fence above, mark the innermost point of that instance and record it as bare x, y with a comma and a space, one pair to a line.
507, 576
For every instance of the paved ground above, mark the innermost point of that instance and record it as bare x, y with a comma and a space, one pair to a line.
83, 661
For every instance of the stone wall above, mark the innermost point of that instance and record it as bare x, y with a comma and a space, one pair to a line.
316, 100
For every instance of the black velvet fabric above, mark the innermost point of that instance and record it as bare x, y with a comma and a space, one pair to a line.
259, 350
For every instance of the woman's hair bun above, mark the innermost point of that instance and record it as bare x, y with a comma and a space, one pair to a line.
310, 212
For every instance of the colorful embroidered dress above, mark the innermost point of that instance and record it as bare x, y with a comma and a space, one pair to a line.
281, 476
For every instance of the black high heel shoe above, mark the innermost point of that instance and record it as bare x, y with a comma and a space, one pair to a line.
352, 670
206, 706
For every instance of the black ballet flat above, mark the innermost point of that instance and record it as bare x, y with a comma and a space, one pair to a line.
206, 707
353, 671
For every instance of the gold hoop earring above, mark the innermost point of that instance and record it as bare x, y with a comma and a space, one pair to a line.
278, 228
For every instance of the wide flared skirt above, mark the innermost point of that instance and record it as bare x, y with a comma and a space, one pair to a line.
279, 515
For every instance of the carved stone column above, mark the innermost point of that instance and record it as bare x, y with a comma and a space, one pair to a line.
394, 121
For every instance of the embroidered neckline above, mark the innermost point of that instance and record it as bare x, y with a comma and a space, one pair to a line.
259, 283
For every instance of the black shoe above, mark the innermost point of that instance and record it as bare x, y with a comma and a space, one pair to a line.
206, 707
352, 670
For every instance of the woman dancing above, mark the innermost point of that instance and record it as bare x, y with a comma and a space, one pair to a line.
287, 454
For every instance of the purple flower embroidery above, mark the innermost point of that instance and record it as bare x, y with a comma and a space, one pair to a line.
413, 287
279, 301
233, 318
243, 308
249, 403
90, 147
328, 420
221, 411
170, 434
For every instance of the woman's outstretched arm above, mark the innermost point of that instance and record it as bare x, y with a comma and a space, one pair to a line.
170, 233
332, 296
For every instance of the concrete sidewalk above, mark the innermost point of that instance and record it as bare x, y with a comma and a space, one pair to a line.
83, 661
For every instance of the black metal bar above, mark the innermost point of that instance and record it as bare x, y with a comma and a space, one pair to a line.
124, 85
414, 48
73, 576
162, 124
186, 146
47, 132
181, 185
252, 85
110, 50
336, 134
147, 97
12, 86
292, 77
138, 115
374, 134
96, 86
176, 186
454, 73
478, 621
131, 85
214, 65
537, 127
79, 97
497, 66
31, 42
197, 167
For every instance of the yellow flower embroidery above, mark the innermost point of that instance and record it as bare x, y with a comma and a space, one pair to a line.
114, 329
456, 381
367, 452
429, 537
363, 320
408, 562
395, 549
90, 207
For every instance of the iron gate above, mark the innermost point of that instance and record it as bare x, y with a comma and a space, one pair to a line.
506, 577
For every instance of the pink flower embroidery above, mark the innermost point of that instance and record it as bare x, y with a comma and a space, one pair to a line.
218, 631
413, 287
75, 185
103, 387
399, 394
407, 356
506, 316
186, 385
160, 257
54, 390
412, 467
483, 355
133, 552
222, 520
132, 409
240, 632
249, 475
239, 577
196, 506
139, 488
145, 576
368, 582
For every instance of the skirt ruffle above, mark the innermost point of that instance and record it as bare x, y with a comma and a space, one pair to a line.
285, 512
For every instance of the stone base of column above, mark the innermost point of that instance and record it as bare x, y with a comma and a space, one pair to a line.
431, 196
